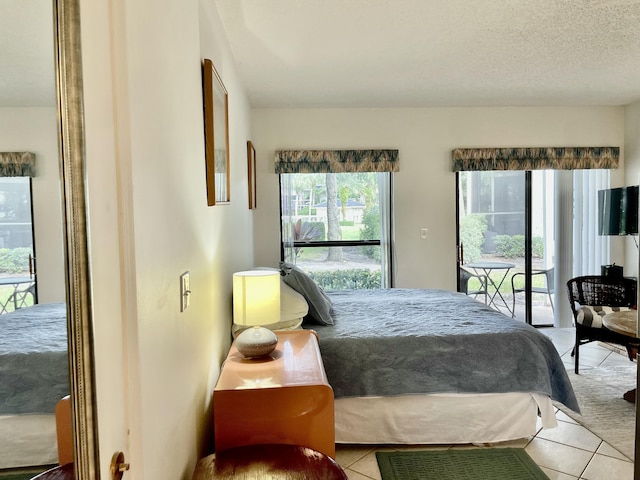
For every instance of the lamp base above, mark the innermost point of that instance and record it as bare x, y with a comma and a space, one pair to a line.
256, 342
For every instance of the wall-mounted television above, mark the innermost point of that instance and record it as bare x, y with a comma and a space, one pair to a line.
618, 211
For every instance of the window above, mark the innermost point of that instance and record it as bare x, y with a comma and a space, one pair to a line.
16, 244
337, 227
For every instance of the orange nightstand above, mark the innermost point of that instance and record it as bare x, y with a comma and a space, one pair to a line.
282, 399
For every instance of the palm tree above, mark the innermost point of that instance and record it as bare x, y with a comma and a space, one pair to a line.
333, 222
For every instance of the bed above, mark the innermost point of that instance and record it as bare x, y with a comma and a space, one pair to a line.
431, 366
34, 376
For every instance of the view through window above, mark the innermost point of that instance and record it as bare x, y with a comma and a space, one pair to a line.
17, 278
335, 227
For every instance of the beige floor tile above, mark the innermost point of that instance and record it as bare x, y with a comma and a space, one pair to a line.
562, 458
352, 475
563, 417
608, 468
346, 455
368, 465
609, 451
553, 475
573, 435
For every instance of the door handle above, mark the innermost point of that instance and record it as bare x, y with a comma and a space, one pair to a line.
118, 466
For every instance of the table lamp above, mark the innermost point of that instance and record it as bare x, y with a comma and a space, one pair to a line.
256, 302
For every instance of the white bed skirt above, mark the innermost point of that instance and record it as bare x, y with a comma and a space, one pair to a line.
28, 440
441, 418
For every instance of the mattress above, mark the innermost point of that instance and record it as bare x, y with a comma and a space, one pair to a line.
34, 369
392, 342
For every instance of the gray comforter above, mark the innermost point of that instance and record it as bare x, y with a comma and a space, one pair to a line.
404, 341
34, 370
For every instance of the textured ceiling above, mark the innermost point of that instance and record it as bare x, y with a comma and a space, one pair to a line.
365, 53
384, 53
27, 77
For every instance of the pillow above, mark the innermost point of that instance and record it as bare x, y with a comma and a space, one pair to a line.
292, 304
319, 303
592, 316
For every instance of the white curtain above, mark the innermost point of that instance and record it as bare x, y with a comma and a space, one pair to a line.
590, 250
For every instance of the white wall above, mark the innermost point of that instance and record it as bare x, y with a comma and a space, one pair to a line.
632, 175
149, 223
425, 186
36, 130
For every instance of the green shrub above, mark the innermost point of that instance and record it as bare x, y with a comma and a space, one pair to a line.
347, 223
347, 279
512, 246
370, 230
14, 260
472, 230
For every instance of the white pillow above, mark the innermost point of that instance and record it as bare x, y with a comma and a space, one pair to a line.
292, 304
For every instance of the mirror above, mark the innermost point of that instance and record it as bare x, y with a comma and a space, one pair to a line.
62, 161
79, 323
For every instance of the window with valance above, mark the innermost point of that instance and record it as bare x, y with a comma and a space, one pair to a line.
336, 207
17, 164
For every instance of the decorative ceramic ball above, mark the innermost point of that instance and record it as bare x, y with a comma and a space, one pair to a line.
256, 342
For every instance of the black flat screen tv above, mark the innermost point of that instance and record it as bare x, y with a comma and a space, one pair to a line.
618, 211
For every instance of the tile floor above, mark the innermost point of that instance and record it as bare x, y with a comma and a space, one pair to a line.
567, 452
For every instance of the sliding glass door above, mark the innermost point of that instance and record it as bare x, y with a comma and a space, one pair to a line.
506, 241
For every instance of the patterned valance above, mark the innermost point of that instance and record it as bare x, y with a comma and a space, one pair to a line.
542, 158
336, 161
17, 164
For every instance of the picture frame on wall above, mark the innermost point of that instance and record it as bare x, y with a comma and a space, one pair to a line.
216, 126
251, 169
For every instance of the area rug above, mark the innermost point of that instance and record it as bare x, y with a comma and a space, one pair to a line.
603, 411
453, 464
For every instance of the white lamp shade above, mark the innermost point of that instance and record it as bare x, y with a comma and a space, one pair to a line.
256, 297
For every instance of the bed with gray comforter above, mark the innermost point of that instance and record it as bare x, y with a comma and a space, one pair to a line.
404, 341
34, 370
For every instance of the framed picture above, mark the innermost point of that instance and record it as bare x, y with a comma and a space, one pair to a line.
216, 133
251, 169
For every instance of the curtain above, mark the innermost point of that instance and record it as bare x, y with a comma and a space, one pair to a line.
17, 164
336, 161
590, 250
536, 158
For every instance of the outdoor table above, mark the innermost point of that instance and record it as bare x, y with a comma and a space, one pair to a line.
15, 282
486, 268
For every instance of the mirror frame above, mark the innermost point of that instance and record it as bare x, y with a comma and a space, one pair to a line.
69, 87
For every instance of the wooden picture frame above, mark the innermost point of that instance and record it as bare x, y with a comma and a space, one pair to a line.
251, 171
216, 126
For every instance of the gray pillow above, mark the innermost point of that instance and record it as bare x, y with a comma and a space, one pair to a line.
319, 303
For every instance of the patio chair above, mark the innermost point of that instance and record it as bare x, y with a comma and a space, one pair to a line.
465, 276
547, 289
19, 298
590, 298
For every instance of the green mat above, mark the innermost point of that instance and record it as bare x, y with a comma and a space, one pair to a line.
470, 464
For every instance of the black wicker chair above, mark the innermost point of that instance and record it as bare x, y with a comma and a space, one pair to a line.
592, 290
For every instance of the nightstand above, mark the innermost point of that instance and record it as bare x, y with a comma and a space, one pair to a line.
282, 399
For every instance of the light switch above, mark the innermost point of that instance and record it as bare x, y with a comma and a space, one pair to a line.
185, 291
423, 233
